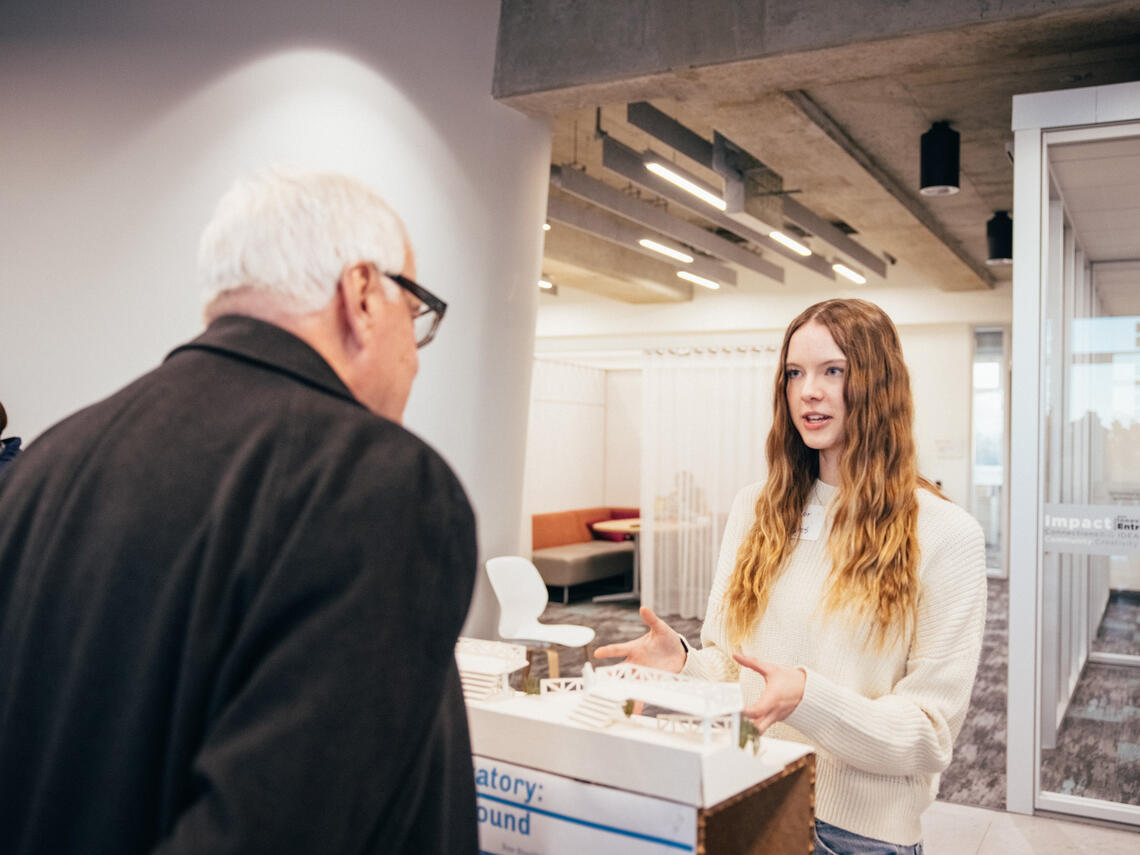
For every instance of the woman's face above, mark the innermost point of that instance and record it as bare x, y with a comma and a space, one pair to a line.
816, 372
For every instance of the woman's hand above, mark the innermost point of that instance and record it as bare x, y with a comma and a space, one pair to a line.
783, 691
659, 648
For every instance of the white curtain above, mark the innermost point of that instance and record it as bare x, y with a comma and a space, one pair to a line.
705, 418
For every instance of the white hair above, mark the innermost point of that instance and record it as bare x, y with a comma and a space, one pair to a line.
290, 234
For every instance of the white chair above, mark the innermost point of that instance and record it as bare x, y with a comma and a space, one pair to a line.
522, 599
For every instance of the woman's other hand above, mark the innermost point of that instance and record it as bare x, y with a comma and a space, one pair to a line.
659, 648
783, 691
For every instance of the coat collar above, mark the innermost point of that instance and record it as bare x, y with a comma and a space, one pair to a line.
270, 345
9, 448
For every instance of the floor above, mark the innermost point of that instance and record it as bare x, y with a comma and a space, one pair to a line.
977, 773
951, 829
1098, 753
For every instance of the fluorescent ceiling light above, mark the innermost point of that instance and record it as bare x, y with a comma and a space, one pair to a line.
794, 245
686, 184
698, 280
666, 250
844, 270
545, 285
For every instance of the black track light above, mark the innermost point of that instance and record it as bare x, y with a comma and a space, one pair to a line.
999, 239
939, 166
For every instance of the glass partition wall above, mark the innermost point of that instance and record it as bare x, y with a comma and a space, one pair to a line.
990, 415
1074, 737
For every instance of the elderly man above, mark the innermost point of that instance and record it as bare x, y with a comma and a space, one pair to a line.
230, 592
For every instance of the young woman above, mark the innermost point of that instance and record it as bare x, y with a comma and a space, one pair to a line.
850, 596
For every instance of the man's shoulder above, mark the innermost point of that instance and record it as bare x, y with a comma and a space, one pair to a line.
377, 456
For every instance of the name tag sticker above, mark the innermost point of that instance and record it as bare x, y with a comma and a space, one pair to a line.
812, 524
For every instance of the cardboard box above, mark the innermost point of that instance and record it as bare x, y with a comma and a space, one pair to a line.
630, 788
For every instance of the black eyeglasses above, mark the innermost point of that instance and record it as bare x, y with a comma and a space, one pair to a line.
426, 320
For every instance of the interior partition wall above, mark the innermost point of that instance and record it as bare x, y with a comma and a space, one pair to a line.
1074, 628
989, 496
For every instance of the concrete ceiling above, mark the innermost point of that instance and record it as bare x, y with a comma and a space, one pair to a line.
836, 110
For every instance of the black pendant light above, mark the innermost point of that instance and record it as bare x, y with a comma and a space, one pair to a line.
999, 239
939, 166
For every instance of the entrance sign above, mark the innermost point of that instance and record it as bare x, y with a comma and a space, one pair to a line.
1092, 529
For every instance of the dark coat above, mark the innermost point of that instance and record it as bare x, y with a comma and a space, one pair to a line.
9, 451
229, 598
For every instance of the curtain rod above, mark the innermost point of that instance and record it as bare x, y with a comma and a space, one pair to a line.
689, 351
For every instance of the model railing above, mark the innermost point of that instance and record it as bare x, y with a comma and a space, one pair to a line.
485, 667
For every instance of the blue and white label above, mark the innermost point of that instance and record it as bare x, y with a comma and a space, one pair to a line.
523, 811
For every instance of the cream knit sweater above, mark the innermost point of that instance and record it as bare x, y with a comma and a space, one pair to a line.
883, 723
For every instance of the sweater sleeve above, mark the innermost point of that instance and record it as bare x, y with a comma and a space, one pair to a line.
714, 660
911, 729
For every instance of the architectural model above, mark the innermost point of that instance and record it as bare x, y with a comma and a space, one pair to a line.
691, 706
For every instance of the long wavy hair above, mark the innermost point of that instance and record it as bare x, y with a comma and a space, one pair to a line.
873, 542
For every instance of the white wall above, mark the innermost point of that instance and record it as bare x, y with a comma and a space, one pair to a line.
940, 360
584, 441
598, 323
566, 444
123, 124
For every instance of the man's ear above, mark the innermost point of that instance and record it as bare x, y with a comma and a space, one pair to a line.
356, 289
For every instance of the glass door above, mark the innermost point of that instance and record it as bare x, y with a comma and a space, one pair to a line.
1088, 654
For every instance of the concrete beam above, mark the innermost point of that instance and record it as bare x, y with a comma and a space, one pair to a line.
820, 227
750, 188
599, 193
908, 199
574, 258
565, 209
624, 161
554, 45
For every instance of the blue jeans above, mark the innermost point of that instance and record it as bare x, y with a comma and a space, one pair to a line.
830, 840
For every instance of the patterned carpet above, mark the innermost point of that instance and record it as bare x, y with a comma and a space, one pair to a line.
977, 773
1098, 753
1098, 750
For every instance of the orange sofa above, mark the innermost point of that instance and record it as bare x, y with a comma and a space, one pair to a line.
568, 552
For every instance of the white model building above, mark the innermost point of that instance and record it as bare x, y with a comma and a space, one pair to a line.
485, 667
692, 706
